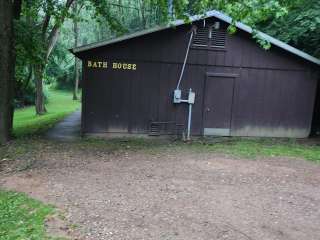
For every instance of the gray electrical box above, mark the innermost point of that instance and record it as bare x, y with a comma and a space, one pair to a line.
191, 97
177, 96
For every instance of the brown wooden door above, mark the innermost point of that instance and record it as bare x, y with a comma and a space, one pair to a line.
218, 104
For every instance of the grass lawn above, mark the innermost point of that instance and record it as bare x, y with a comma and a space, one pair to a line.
27, 123
22, 217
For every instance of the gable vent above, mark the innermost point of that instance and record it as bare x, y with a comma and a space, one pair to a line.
201, 37
218, 37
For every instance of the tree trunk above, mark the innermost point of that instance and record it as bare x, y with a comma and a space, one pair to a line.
6, 70
38, 73
76, 62
50, 41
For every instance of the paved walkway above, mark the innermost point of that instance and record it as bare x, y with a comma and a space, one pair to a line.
66, 130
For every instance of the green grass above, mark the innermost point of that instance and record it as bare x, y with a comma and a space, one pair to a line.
27, 123
250, 148
262, 147
22, 217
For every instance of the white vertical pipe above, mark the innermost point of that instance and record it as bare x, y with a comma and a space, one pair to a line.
189, 122
189, 119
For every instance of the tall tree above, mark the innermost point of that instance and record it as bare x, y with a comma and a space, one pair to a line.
6, 71
56, 12
9, 10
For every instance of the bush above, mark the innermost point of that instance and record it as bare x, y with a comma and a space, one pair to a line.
27, 97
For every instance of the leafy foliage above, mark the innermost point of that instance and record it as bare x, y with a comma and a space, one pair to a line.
300, 27
59, 72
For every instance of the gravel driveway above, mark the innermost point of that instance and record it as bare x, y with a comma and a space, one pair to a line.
177, 195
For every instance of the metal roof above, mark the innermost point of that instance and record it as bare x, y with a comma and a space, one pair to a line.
208, 14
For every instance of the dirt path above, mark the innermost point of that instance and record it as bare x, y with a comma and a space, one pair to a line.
66, 130
174, 195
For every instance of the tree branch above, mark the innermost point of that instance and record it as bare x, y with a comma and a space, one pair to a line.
54, 34
45, 25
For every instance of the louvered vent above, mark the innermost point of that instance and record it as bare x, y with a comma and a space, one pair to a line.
154, 129
201, 37
218, 38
